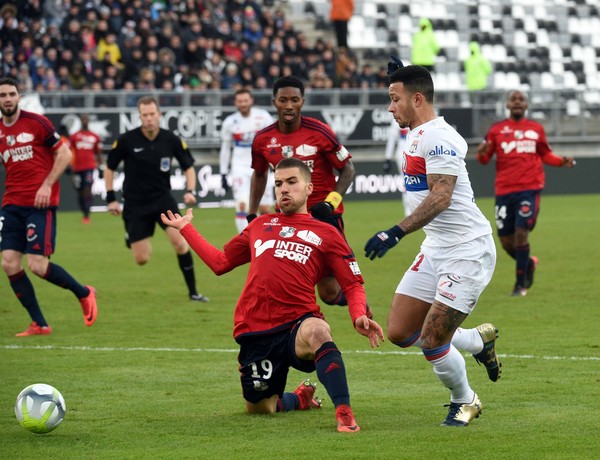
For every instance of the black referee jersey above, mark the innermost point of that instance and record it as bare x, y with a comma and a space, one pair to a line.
147, 163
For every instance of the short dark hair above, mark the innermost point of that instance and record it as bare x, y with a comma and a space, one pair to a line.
243, 91
9, 81
416, 79
147, 100
289, 81
292, 162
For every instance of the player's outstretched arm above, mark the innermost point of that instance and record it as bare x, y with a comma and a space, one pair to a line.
369, 328
484, 152
175, 220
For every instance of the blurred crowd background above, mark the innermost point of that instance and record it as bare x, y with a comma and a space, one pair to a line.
110, 45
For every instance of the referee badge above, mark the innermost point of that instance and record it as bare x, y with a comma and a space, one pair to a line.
165, 164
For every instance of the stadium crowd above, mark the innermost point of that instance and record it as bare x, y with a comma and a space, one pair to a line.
183, 45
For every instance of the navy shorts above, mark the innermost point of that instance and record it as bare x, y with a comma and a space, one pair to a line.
265, 361
517, 210
27, 229
140, 221
82, 179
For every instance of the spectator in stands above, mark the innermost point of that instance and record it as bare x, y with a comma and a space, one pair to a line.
477, 69
521, 151
340, 14
53, 13
77, 28
367, 77
72, 39
231, 79
109, 46
425, 47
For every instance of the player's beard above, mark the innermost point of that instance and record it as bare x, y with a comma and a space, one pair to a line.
9, 113
289, 207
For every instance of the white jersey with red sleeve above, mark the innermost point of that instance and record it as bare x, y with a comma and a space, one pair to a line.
288, 255
314, 143
436, 148
237, 134
27, 149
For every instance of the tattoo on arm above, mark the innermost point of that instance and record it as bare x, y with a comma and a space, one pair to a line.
441, 187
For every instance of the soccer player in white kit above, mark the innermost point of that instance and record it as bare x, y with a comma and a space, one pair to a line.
235, 157
457, 258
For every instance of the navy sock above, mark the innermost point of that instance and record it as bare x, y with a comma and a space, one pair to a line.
332, 373
186, 264
522, 256
288, 402
60, 277
23, 289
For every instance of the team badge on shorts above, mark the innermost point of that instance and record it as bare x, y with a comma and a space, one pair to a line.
525, 209
31, 233
260, 386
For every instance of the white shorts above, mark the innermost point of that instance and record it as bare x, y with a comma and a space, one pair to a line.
240, 188
455, 276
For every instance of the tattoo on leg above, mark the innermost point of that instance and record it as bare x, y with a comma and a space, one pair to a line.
440, 324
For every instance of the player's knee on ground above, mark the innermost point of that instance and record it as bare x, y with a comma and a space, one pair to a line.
265, 406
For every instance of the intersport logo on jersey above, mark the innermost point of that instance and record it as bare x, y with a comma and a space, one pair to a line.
290, 250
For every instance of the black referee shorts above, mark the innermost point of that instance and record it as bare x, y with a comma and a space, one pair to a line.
140, 220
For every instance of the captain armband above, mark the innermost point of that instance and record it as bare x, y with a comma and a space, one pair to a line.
334, 199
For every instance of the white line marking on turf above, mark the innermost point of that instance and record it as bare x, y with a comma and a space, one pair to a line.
231, 350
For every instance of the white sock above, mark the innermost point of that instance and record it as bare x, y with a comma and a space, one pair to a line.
468, 340
452, 372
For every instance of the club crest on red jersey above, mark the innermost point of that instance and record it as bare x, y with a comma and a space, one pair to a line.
287, 232
287, 151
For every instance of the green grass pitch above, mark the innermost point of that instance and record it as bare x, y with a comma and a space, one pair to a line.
156, 376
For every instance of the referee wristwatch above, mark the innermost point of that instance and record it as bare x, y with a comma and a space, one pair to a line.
193, 192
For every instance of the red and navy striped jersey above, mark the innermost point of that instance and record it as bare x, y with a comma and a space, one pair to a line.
521, 149
27, 149
314, 143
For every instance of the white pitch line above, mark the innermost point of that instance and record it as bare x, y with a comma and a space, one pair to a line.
231, 350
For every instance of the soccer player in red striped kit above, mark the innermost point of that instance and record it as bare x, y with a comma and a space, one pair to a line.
315, 143
277, 322
521, 151
34, 157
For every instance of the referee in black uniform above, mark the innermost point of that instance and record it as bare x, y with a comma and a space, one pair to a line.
147, 153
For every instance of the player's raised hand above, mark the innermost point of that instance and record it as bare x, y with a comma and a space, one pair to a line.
175, 220
568, 162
